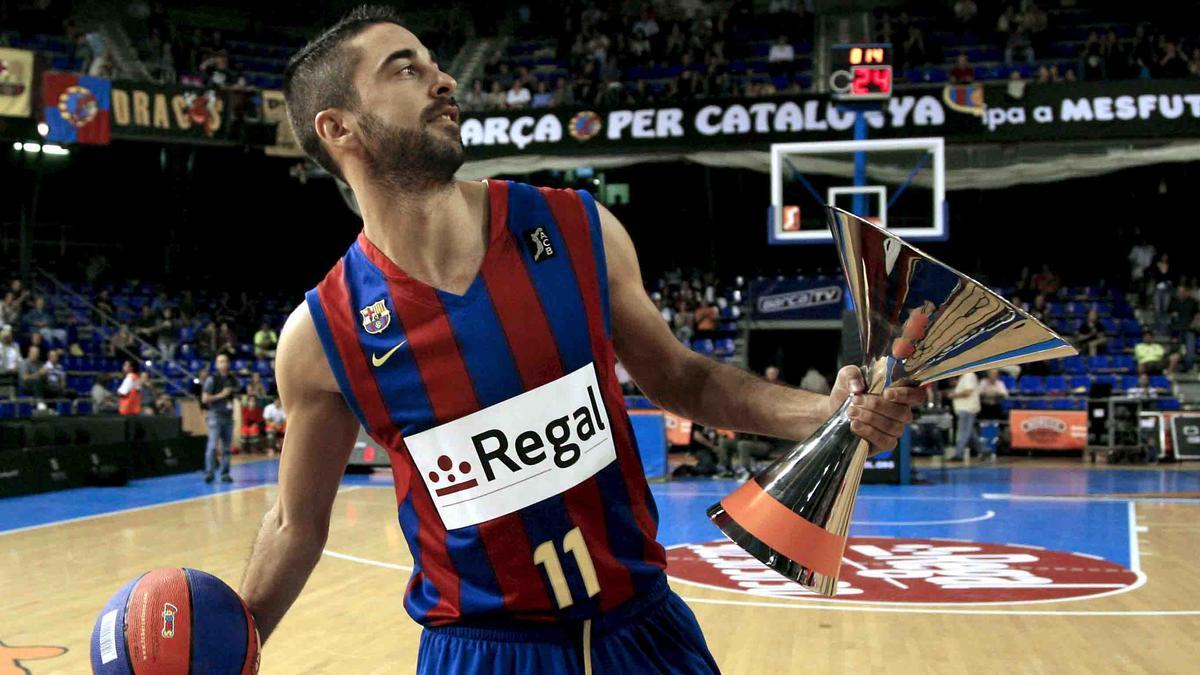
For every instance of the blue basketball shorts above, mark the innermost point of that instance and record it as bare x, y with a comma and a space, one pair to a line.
656, 633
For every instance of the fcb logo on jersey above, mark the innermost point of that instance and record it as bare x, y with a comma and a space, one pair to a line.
376, 317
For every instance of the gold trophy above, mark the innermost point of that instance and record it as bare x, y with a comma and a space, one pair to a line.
919, 321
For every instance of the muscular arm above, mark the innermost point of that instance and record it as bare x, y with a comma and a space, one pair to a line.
321, 434
717, 394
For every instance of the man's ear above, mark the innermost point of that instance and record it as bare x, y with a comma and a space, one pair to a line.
334, 127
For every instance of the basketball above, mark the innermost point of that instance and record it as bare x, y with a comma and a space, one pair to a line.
175, 620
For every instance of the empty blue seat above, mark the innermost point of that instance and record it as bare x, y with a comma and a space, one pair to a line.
725, 347
1031, 385
7, 409
1111, 325
63, 408
1009, 382
24, 409
1131, 327
704, 346
1129, 381
1074, 365
1169, 404
1060, 404
1056, 384
83, 406
1097, 363
1124, 363
1036, 404
1078, 382
1160, 382
1110, 380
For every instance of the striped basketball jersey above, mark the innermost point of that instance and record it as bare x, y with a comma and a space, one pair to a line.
520, 488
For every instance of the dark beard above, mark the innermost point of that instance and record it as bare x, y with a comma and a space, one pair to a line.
407, 159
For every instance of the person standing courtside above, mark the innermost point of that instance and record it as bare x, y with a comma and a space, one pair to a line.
966, 409
219, 390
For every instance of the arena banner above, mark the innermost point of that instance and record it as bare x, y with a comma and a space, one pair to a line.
76, 108
796, 298
148, 111
16, 81
1185, 432
1048, 429
275, 112
1085, 110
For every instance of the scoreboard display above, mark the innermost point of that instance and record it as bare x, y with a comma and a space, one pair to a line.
861, 72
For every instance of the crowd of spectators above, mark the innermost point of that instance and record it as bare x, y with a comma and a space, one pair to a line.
605, 46
37, 334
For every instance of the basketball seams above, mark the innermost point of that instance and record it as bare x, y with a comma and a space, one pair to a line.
187, 582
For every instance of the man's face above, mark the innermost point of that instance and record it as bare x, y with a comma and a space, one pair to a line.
406, 121
223, 364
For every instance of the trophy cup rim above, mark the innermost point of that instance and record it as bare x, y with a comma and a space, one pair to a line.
830, 209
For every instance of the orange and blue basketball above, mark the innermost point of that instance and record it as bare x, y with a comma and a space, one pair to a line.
173, 621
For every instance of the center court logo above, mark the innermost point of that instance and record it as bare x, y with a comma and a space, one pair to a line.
516, 453
935, 571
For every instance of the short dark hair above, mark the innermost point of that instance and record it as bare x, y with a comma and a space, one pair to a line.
321, 76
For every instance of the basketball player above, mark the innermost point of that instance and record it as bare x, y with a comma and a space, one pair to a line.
471, 330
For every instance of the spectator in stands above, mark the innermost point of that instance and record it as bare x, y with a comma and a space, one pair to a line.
473, 99
122, 344
1036, 22
1143, 388
206, 341
915, 53
965, 14
1091, 58
1116, 61
1047, 282
813, 381
1184, 311
130, 391
275, 420
1194, 63
1172, 64
771, 374
685, 321
21, 295
146, 327
1038, 309
563, 95
1152, 358
226, 341
1090, 337
10, 313
256, 387
1162, 280
165, 405
251, 431
1141, 257
265, 342
216, 70
1143, 58
544, 97
966, 408
10, 352
102, 308
38, 319
706, 317
219, 391
187, 307
168, 334
1019, 44
31, 377
496, 98
104, 402
54, 383
781, 58
992, 393
962, 72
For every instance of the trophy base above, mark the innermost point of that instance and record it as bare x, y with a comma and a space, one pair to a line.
814, 581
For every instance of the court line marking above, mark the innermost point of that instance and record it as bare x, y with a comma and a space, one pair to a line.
1135, 552
1085, 498
134, 509
366, 561
932, 610
953, 521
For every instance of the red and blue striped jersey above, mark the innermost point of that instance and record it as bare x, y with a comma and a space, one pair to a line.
520, 488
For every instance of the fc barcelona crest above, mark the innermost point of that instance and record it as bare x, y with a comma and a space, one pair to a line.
376, 317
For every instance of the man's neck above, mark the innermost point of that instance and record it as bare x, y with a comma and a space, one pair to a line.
438, 236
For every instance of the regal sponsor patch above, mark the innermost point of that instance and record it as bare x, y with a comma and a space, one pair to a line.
516, 453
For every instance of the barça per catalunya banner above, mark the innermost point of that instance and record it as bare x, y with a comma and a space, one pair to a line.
962, 113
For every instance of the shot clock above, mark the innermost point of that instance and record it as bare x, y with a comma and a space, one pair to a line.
861, 72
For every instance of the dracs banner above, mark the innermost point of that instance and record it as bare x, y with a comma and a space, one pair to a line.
148, 111
966, 113
797, 298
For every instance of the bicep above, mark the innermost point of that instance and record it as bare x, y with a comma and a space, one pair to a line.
321, 428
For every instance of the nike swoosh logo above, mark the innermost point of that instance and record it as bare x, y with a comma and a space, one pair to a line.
378, 361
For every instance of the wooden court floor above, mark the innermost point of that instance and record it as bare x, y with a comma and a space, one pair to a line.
55, 576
